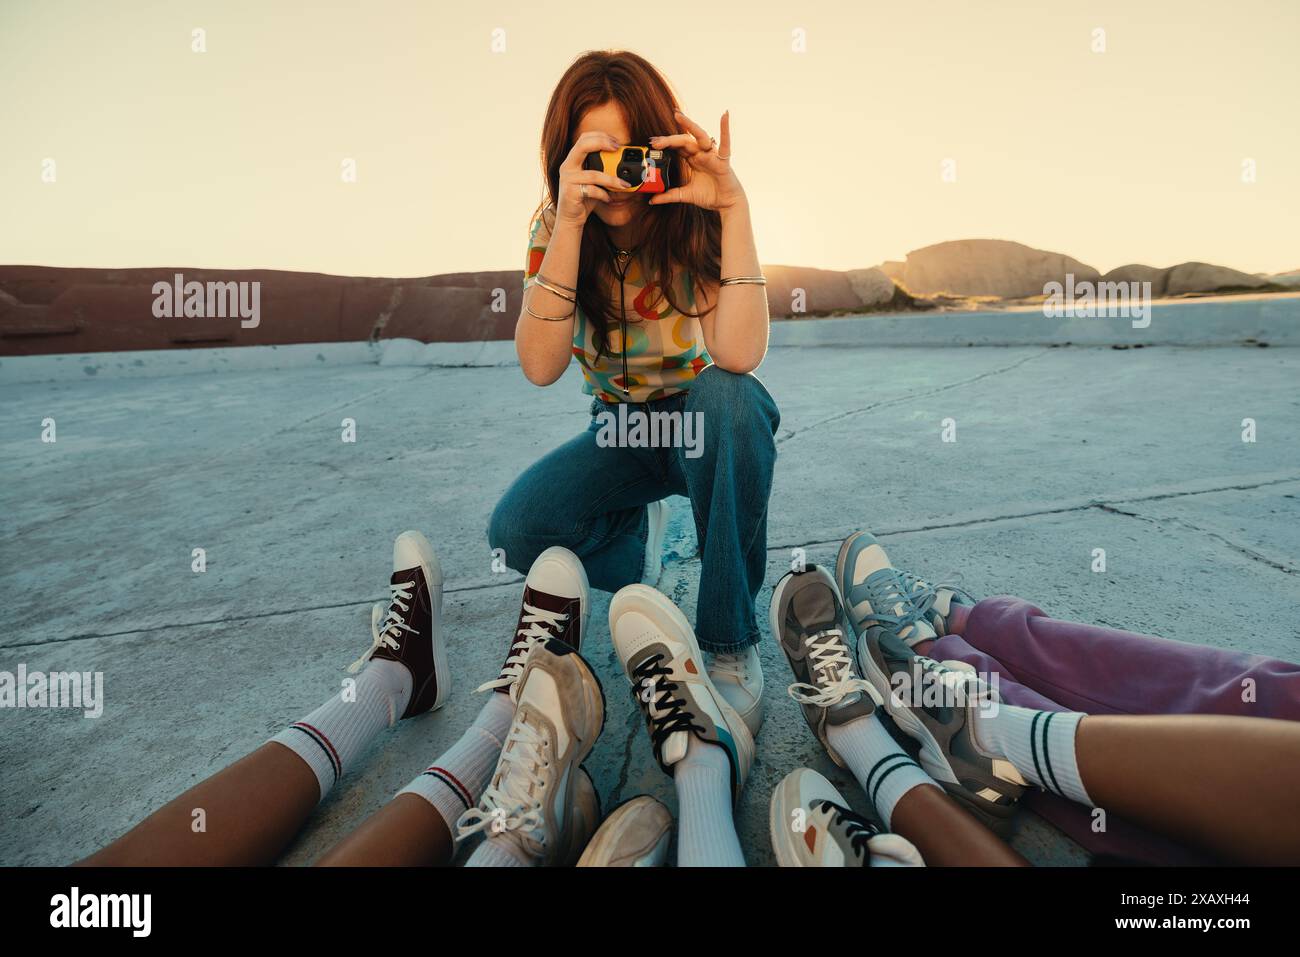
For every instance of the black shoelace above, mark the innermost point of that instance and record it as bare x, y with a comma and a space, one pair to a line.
858, 829
673, 715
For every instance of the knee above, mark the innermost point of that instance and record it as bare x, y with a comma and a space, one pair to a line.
509, 533
733, 397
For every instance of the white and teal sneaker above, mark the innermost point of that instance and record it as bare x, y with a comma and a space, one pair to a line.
671, 686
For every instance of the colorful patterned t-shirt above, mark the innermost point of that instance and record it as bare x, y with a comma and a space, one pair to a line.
665, 348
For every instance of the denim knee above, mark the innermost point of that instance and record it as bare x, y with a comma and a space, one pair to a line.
733, 397
507, 532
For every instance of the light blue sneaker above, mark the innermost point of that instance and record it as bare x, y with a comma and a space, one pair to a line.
878, 594
892, 611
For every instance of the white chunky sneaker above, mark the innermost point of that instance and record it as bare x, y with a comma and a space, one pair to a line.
739, 678
661, 658
811, 825
653, 567
636, 834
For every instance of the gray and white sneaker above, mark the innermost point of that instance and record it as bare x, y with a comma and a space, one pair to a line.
877, 593
811, 825
540, 799
807, 620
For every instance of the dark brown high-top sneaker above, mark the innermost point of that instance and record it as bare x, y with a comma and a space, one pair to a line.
411, 633
556, 599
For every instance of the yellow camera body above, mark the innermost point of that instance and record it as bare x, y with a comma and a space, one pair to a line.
646, 167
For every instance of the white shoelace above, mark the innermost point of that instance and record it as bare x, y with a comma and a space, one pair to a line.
539, 624
735, 667
832, 669
514, 799
386, 636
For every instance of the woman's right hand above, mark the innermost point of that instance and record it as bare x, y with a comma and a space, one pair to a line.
570, 207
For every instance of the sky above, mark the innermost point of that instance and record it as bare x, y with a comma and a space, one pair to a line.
861, 130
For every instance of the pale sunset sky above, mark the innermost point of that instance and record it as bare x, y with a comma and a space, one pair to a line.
232, 157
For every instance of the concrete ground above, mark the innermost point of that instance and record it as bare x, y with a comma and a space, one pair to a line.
1059, 451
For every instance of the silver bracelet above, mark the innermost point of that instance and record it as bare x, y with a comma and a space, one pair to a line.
548, 318
543, 279
555, 290
744, 281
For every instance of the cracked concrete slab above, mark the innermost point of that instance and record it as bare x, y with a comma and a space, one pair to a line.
96, 533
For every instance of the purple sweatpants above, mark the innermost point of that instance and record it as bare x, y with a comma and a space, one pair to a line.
1063, 666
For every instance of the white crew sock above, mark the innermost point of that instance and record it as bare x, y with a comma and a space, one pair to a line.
706, 834
1040, 744
335, 734
882, 768
455, 781
496, 852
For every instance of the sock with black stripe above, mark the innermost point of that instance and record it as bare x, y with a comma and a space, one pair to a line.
1040, 744
335, 734
882, 768
455, 781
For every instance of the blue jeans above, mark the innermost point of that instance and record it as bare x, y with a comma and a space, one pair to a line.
592, 500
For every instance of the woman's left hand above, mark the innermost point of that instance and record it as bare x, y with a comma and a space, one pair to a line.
713, 183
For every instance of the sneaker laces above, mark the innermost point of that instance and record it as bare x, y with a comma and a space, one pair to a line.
656, 693
929, 592
387, 635
732, 667
514, 799
832, 669
857, 828
539, 625
894, 589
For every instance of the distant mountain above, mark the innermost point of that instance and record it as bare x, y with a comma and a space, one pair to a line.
987, 267
1186, 278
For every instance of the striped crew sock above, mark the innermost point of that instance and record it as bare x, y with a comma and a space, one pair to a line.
1040, 744
335, 734
883, 769
706, 833
455, 781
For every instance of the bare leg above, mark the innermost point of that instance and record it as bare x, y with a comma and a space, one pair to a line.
405, 832
946, 834
250, 811
1227, 784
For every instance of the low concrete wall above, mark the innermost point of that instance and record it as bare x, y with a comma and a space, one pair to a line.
1273, 321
